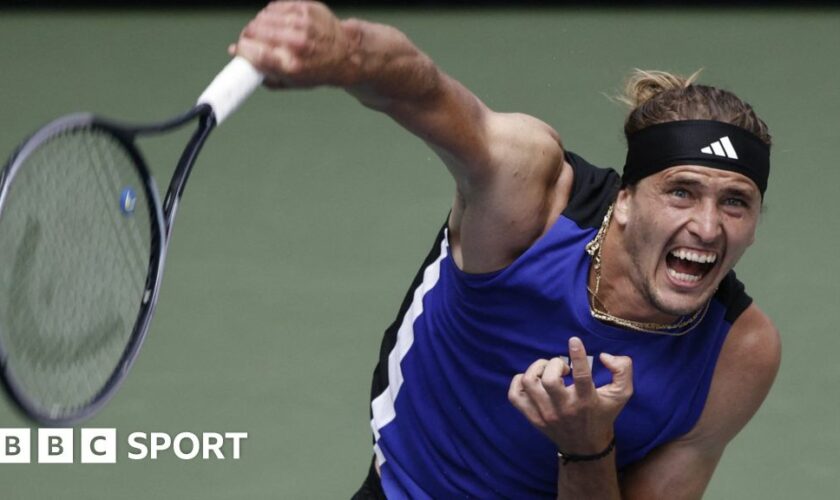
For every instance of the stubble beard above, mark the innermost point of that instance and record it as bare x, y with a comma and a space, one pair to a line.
647, 286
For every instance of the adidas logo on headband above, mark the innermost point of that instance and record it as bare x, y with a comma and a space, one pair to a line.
722, 147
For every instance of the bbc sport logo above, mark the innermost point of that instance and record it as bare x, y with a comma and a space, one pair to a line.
99, 446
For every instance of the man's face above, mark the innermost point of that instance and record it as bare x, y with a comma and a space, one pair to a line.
684, 228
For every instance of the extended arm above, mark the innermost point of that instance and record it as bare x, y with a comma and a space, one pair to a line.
507, 167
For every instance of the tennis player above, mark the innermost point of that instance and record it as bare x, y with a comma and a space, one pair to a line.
572, 333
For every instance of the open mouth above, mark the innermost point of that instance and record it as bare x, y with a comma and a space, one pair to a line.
689, 265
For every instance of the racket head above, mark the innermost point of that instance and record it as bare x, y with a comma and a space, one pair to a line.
82, 245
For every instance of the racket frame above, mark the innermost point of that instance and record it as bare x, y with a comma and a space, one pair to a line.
162, 216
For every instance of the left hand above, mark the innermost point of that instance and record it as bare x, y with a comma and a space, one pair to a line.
579, 419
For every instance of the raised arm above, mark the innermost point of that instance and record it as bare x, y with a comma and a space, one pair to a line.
507, 167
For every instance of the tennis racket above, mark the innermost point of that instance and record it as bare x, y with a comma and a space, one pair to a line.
83, 239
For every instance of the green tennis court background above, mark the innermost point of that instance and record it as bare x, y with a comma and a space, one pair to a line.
307, 216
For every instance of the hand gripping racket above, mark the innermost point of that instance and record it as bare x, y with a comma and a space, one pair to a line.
83, 237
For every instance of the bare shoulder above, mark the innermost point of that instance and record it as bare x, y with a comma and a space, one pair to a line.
524, 128
518, 140
531, 158
521, 188
520, 150
745, 371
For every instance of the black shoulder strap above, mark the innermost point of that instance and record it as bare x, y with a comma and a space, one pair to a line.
593, 190
733, 296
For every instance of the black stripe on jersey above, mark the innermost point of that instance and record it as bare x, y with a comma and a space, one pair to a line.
380, 373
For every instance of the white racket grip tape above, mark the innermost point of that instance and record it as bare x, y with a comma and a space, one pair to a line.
238, 80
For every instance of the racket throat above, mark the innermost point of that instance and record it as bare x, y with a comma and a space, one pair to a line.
185, 165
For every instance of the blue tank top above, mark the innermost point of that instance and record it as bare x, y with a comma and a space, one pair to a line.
442, 423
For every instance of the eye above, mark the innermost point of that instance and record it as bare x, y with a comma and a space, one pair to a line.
679, 193
736, 202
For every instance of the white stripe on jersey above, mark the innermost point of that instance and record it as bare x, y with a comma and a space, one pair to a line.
383, 405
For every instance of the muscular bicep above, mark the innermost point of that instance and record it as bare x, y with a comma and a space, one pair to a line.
505, 203
507, 170
448, 117
506, 166
393, 76
484, 150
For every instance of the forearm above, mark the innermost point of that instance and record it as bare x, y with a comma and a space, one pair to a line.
596, 480
303, 44
390, 74
579, 419
386, 68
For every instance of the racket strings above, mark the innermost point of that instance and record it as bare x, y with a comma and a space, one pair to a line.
134, 245
73, 267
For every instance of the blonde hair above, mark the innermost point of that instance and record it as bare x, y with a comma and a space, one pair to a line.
659, 97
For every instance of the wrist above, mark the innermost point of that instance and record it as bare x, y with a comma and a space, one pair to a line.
351, 72
585, 442
568, 457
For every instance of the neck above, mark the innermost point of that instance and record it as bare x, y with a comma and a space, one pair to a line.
618, 292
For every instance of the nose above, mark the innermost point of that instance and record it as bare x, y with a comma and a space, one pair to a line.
706, 223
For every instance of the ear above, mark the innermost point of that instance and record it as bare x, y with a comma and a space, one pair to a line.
621, 212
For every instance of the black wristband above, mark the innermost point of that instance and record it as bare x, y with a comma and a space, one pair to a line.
568, 457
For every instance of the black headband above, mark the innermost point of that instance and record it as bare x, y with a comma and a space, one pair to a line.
697, 142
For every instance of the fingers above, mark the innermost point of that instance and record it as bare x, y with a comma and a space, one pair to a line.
294, 44
581, 372
303, 6
265, 57
276, 34
276, 63
621, 368
552, 379
540, 392
520, 400
282, 22
578, 416
532, 383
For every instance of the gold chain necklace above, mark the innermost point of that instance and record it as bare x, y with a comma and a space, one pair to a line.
593, 248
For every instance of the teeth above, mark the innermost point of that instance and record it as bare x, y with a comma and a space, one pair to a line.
683, 276
693, 256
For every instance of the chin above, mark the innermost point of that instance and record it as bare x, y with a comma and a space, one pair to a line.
681, 303
678, 297
679, 307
